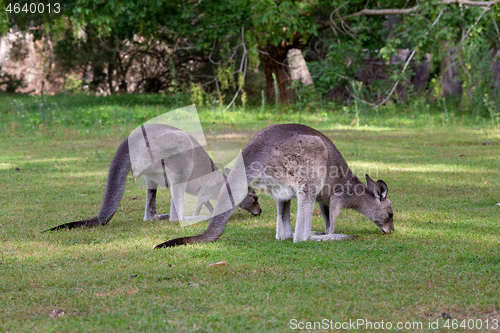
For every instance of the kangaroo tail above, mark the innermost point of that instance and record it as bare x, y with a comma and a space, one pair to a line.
115, 186
214, 231
84, 223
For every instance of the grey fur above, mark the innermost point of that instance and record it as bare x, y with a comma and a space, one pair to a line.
287, 161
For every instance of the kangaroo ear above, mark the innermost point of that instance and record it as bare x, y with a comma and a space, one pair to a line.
370, 184
381, 190
251, 190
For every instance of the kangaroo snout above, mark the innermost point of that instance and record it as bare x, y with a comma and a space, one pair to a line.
388, 227
256, 211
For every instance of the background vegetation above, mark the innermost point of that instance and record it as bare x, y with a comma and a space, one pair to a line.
236, 51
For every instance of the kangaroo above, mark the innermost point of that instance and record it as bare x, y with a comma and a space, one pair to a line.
182, 169
293, 160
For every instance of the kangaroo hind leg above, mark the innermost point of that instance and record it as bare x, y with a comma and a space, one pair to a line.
305, 207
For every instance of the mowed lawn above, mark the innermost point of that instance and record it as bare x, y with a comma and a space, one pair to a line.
442, 262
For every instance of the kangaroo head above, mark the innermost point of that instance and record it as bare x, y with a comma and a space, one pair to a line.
251, 202
381, 207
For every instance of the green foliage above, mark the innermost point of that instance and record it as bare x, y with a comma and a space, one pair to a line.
41, 17
493, 109
445, 32
306, 99
4, 19
196, 95
221, 41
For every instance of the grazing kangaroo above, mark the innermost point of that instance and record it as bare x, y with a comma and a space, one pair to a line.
184, 169
293, 160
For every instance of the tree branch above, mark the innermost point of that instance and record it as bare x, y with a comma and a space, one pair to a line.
243, 66
408, 62
406, 11
464, 37
372, 12
496, 26
468, 2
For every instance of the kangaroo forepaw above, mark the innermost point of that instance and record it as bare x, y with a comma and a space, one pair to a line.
331, 237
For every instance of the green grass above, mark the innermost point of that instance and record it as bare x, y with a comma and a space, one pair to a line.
443, 257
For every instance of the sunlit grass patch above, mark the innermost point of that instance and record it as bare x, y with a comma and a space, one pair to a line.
443, 256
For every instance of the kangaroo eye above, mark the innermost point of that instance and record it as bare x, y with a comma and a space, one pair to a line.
390, 215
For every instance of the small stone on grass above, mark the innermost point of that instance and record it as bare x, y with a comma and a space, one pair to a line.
218, 264
56, 313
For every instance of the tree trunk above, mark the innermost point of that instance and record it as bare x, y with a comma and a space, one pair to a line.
111, 70
121, 76
273, 61
95, 54
421, 77
98, 76
298, 67
496, 69
451, 83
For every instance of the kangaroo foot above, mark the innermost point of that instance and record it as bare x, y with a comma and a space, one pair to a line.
285, 236
318, 233
155, 217
330, 237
